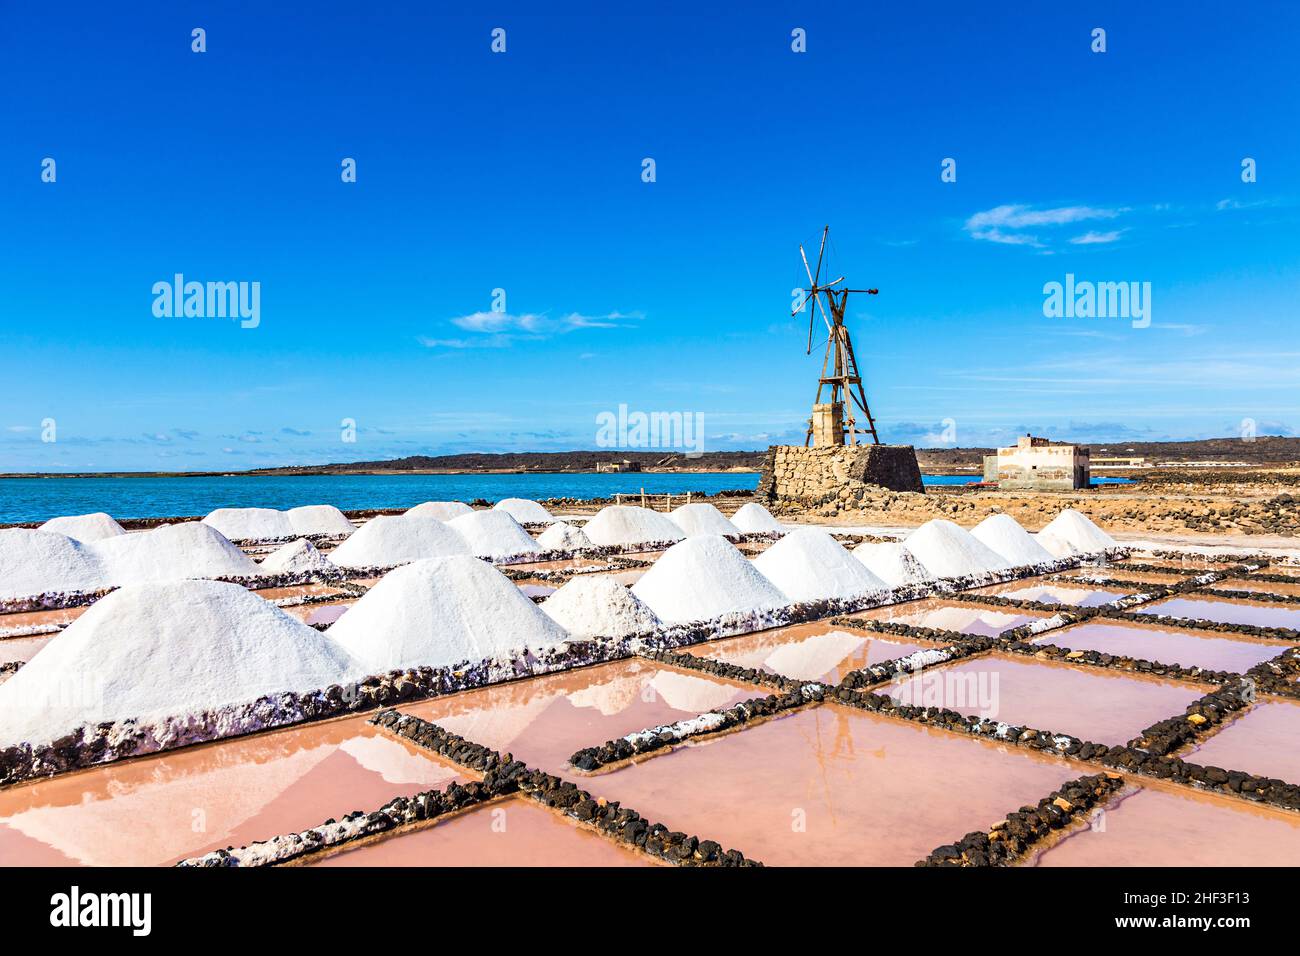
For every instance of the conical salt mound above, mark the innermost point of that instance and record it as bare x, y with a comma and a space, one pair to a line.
701, 578
385, 541
1072, 532
494, 534
892, 563
621, 525
753, 518
593, 605
1003, 534
250, 524
524, 510
948, 551
173, 552
294, 557
809, 565
703, 518
157, 650
33, 562
442, 510
91, 527
563, 537
440, 612
319, 519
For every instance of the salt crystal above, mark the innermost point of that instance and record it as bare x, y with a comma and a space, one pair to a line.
948, 551
1072, 532
442, 510
753, 518
702, 518
809, 565
1003, 535
595, 605
493, 534
622, 525
296, 556
524, 510
563, 537
91, 527
892, 563
702, 578
385, 540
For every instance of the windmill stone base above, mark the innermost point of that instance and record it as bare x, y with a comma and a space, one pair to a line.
811, 477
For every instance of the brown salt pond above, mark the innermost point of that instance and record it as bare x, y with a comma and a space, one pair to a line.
1290, 589
543, 720
1047, 592
1157, 824
22, 648
512, 832
154, 811
22, 622
811, 652
299, 591
1262, 741
1089, 703
1223, 611
949, 616
1166, 645
326, 613
1087, 576
833, 786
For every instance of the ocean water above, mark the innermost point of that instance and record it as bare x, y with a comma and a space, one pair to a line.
39, 499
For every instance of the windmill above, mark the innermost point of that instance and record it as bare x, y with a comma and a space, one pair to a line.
834, 422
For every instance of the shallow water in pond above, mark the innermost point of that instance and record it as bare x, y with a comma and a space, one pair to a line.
1290, 589
966, 618
13, 622
22, 648
833, 786
1205, 649
1227, 612
1264, 741
154, 811
513, 832
1159, 825
1089, 703
812, 652
543, 720
1050, 593
1146, 577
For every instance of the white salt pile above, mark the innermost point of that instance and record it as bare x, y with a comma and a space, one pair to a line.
703, 518
442, 510
91, 527
524, 510
440, 612
386, 540
172, 552
250, 524
319, 519
294, 557
1003, 534
949, 551
1072, 532
593, 605
892, 563
702, 578
33, 562
156, 650
563, 537
494, 534
809, 565
620, 525
753, 518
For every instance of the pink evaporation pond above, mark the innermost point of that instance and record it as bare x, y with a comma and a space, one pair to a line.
966, 618
514, 832
300, 591
1227, 612
1147, 577
544, 720
1048, 593
1262, 741
1166, 645
834, 786
1089, 703
155, 811
1161, 825
10, 623
22, 648
810, 652
1289, 588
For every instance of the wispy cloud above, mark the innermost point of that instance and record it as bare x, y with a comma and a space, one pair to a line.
1092, 237
503, 329
1021, 225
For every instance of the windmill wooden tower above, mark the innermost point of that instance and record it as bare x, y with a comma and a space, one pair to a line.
835, 422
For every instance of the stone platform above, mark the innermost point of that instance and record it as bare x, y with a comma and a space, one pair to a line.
810, 477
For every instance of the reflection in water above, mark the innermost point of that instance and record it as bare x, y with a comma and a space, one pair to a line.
1165, 645
1227, 612
1262, 741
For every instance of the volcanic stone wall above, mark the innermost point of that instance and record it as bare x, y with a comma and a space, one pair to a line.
814, 476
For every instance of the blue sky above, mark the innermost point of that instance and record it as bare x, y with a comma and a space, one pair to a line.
522, 171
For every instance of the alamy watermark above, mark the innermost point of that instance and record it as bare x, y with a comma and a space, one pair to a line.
1098, 300
624, 429
208, 300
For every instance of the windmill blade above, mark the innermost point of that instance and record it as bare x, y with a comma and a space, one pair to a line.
806, 268
799, 308
836, 282
822, 254
812, 318
829, 327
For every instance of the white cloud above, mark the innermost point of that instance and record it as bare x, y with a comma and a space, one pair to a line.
1006, 224
1092, 238
502, 329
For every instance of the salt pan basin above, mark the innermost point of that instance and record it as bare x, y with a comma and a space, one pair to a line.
1163, 825
811, 652
1089, 703
1236, 654
1264, 741
834, 786
1289, 589
513, 832
155, 811
544, 720
965, 618
1227, 612
1046, 592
